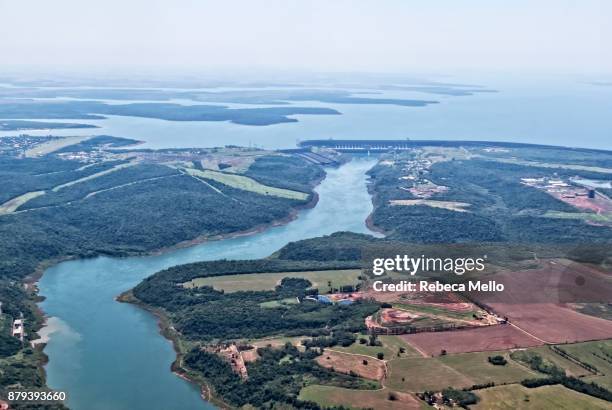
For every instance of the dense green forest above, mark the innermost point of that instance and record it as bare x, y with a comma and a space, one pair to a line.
152, 214
276, 377
203, 313
155, 206
501, 208
99, 142
43, 174
131, 175
93, 110
285, 172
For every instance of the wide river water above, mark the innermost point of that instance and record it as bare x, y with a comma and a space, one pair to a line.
110, 355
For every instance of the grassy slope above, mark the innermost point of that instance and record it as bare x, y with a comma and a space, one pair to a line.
390, 347
461, 370
247, 184
358, 399
267, 281
513, 397
597, 354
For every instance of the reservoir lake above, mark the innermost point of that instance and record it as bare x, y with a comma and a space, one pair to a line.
538, 111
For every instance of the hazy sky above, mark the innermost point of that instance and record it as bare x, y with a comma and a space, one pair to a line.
322, 35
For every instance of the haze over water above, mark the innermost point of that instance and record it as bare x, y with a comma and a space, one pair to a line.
560, 112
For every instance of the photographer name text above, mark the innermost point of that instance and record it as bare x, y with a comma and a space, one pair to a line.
425, 286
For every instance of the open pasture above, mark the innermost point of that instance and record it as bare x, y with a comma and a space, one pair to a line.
13, 204
391, 346
329, 396
268, 281
364, 366
54, 145
448, 205
597, 354
246, 184
458, 370
516, 397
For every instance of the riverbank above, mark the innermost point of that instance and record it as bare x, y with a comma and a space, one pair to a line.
31, 282
168, 332
106, 344
370, 219
182, 347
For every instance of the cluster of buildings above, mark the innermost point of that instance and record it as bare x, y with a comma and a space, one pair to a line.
17, 326
558, 186
18, 145
18, 329
94, 155
334, 299
421, 187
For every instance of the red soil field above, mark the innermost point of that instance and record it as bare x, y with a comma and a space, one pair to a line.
499, 337
553, 323
539, 301
599, 204
397, 317
346, 363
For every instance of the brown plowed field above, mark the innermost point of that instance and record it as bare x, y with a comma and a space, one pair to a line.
490, 338
538, 301
554, 323
347, 362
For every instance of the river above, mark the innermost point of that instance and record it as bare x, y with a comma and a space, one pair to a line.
110, 355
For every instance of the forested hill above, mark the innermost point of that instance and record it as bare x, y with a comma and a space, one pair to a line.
469, 197
53, 207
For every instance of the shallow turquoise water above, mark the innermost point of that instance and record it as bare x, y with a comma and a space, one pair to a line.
109, 355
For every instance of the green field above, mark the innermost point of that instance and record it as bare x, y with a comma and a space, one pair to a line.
329, 396
246, 184
515, 396
549, 355
268, 281
276, 341
96, 175
448, 205
458, 370
278, 303
583, 216
390, 347
54, 145
597, 354
12, 205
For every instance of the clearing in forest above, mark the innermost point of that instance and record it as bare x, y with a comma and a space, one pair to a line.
246, 184
449, 205
268, 281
